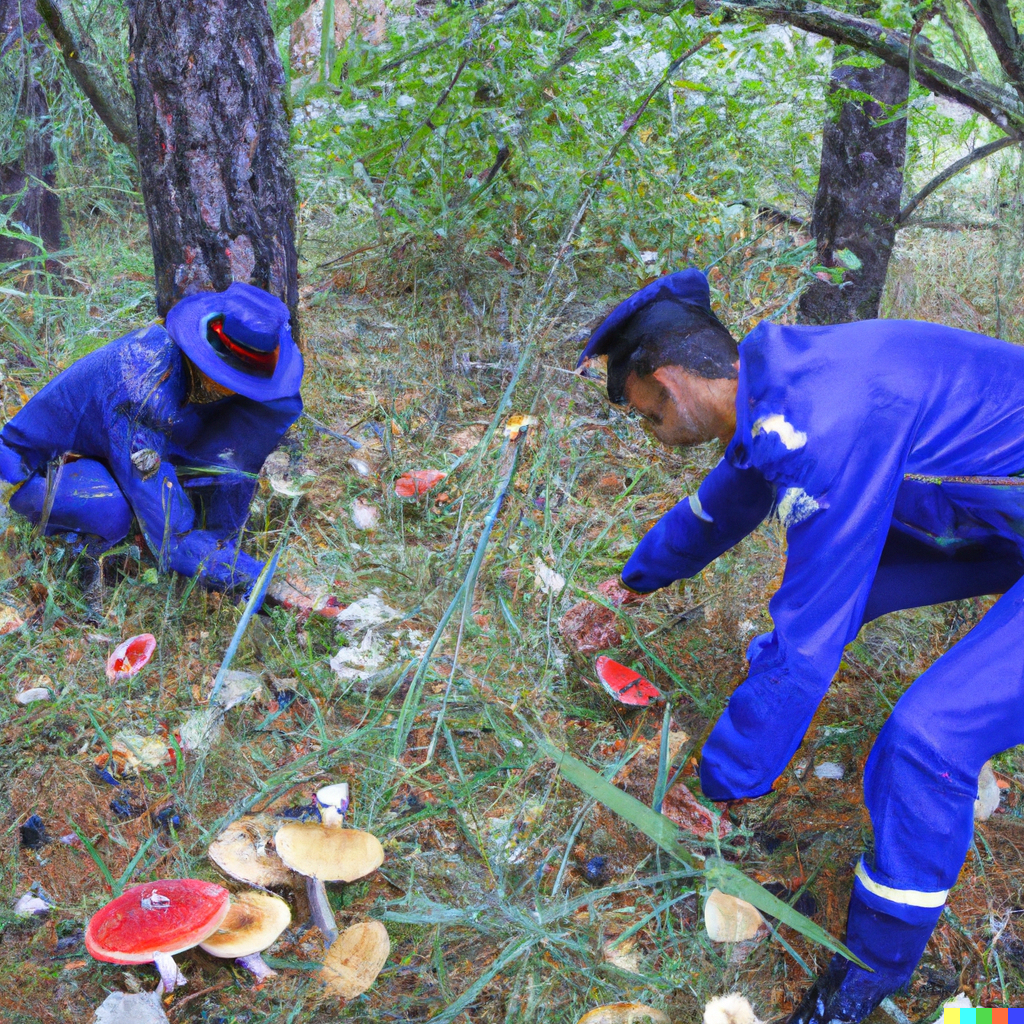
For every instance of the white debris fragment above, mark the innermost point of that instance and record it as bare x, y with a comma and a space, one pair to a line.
357, 662
730, 1009
121, 1008
365, 613
237, 688
364, 515
31, 904
777, 424
547, 580
359, 467
829, 770
988, 794
32, 694
201, 730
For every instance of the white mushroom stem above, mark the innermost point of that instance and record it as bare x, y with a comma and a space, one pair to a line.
320, 909
257, 966
170, 976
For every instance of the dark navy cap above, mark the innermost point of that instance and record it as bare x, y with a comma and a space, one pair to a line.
690, 285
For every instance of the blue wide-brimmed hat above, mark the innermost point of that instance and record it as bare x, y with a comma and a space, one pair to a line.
690, 285
240, 338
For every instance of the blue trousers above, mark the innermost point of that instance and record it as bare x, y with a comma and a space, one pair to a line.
921, 778
86, 500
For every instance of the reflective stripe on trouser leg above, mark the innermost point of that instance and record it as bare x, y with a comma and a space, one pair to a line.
921, 779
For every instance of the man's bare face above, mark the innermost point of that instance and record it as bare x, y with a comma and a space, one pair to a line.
683, 409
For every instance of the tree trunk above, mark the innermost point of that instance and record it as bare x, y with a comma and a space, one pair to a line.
212, 147
27, 179
858, 199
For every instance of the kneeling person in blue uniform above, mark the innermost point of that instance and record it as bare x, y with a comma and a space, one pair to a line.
890, 451
167, 425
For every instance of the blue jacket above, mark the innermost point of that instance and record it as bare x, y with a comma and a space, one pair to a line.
131, 397
854, 435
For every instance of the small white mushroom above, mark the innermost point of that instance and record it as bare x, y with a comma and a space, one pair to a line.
730, 1009
729, 919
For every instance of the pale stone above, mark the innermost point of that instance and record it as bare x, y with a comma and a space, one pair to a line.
728, 919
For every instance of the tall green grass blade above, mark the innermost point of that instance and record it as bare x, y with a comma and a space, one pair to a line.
665, 833
655, 826
732, 881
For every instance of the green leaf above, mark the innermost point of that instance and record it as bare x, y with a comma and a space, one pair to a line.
284, 13
657, 827
849, 259
733, 882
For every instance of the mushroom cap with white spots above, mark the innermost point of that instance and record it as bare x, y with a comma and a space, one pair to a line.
328, 853
253, 922
168, 916
245, 850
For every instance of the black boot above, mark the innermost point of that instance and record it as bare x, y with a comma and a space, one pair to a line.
830, 1001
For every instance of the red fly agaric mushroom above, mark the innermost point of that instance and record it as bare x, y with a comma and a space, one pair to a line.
625, 685
152, 922
131, 656
253, 923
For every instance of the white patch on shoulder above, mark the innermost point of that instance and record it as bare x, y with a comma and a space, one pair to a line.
778, 424
698, 509
795, 505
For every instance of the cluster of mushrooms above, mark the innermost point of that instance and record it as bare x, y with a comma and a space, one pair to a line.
150, 923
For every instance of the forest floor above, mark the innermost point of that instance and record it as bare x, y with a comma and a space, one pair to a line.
508, 895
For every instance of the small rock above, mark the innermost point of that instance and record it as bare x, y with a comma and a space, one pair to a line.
32, 694
728, 919
359, 467
829, 770
365, 516
31, 905
988, 794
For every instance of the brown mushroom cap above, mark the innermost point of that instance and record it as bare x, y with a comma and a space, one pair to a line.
245, 850
254, 921
353, 962
328, 853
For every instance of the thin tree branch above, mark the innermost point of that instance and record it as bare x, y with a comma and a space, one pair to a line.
997, 23
951, 171
992, 101
114, 106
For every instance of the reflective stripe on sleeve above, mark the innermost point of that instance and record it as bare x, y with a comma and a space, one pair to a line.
911, 897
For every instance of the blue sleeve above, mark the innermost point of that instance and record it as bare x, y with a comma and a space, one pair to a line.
729, 504
168, 517
835, 540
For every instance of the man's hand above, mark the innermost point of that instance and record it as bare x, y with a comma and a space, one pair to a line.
618, 594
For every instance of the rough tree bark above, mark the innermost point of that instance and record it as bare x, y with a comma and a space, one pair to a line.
212, 147
26, 182
857, 205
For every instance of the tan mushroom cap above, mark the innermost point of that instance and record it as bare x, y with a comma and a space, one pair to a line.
355, 959
253, 922
328, 853
245, 850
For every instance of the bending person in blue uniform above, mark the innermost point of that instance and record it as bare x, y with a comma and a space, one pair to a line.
890, 451
169, 426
